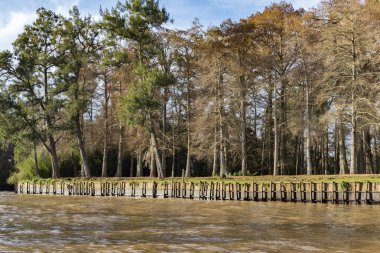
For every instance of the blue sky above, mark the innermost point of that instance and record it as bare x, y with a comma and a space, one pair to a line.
14, 14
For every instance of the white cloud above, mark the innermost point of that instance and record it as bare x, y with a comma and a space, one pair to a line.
305, 3
14, 25
228, 4
11, 29
63, 7
183, 11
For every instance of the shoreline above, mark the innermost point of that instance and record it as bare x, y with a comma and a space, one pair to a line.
328, 189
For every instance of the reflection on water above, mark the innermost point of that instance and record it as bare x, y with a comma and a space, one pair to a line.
111, 224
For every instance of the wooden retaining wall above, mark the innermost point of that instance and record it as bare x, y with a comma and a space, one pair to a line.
331, 192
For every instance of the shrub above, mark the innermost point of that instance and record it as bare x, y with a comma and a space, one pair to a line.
25, 168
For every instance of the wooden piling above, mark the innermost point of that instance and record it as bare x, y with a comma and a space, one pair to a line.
332, 192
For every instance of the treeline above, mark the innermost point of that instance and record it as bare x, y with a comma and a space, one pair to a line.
283, 91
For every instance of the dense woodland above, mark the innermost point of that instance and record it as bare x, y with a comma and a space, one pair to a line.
280, 92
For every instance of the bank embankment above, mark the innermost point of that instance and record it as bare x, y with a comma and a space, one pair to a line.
313, 189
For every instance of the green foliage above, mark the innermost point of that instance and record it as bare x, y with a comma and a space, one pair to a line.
345, 186
5, 59
32, 100
240, 173
25, 167
79, 51
134, 21
135, 18
141, 100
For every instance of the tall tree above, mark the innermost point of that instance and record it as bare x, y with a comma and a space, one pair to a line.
79, 46
184, 44
240, 37
277, 44
32, 83
134, 22
349, 48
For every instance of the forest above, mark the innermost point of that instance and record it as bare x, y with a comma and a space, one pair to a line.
284, 91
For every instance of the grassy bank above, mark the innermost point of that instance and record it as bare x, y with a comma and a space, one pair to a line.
241, 179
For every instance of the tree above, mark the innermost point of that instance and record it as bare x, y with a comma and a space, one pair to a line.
214, 97
141, 104
112, 74
134, 22
79, 47
349, 61
185, 54
240, 38
276, 42
34, 93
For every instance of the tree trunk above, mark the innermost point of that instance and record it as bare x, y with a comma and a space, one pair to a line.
336, 149
297, 152
82, 148
270, 126
215, 160
155, 148
262, 162
105, 141
353, 167
342, 152
222, 160
105, 157
282, 127
173, 147
35, 158
51, 145
368, 152
163, 153
79, 125
307, 130
360, 154
139, 164
53, 156
221, 152
188, 157
82, 173
226, 167
243, 125
152, 163
374, 152
119, 168
275, 130
84, 157
173, 164
323, 156
132, 166
163, 162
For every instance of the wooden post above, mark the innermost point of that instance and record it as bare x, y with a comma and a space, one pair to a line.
368, 195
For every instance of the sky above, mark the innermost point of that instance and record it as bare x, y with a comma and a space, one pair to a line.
15, 14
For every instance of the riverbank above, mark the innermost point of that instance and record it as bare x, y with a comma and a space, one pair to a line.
314, 189
374, 178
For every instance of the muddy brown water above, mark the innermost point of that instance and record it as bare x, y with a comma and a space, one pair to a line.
110, 224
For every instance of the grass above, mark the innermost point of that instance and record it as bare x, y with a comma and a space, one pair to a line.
240, 179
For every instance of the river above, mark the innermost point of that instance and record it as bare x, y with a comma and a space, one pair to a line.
111, 224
